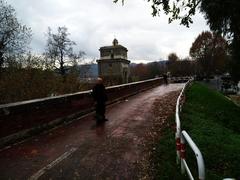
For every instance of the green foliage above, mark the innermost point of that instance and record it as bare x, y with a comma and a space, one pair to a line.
213, 105
222, 15
213, 123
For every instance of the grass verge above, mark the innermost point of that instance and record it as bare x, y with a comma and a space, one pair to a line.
213, 122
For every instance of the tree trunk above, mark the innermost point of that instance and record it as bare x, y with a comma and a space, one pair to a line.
62, 70
236, 57
1, 62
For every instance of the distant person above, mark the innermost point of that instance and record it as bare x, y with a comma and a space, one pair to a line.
165, 78
100, 98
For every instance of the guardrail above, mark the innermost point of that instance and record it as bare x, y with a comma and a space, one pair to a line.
200, 162
181, 138
21, 119
178, 123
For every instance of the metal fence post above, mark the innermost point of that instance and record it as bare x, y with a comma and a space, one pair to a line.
198, 155
183, 153
178, 147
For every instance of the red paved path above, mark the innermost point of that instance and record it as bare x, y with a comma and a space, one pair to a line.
81, 151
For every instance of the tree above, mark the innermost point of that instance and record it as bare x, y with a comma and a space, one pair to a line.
172, 57
210, 51
181, 10
172, 63
140, 72
221, 15
154, 69
59, 50
14, 37
180, 67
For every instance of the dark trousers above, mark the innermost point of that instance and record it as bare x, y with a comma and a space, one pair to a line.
100, 111
165, 80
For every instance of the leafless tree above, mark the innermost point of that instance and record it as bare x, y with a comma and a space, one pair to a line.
14, 37
59, 50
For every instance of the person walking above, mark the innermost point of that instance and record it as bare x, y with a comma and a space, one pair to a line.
100, 97
165, 78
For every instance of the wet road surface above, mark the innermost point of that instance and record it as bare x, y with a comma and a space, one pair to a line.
81, 150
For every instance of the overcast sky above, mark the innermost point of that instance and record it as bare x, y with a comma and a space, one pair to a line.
95, 23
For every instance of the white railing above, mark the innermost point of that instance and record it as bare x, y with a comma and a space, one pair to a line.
201, 167
178, 123
181, 138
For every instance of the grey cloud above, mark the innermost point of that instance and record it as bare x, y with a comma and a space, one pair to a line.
95, 23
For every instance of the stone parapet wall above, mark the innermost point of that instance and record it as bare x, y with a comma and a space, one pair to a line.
22, 119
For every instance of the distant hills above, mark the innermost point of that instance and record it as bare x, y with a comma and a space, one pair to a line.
162, 62
88, 70
91, 70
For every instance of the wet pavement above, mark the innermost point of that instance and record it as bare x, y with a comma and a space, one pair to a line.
81, 150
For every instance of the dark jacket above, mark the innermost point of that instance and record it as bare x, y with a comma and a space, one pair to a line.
99, 93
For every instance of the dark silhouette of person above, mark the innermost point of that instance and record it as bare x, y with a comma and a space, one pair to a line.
100, 98
165, 78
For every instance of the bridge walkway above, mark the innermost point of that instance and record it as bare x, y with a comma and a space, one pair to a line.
80, 150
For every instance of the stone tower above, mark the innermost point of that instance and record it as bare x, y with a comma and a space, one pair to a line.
113, 64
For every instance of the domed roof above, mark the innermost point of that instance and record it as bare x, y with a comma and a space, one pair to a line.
115, 42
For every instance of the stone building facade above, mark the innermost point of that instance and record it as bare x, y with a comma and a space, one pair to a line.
113, 65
